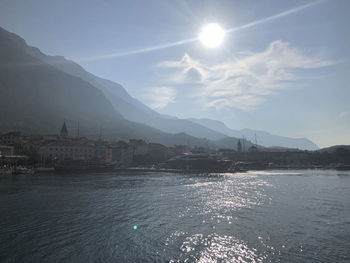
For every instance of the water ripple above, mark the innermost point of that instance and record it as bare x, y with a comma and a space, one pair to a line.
269, 216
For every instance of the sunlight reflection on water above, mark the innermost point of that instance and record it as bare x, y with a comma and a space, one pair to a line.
231, 193
220, 200
214, 248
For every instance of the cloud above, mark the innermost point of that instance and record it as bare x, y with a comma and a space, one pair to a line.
160, 97
245, 82
188, 70
343, 114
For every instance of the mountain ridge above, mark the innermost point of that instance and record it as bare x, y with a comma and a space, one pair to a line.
125, 107
36, 97
263, 138
129, 107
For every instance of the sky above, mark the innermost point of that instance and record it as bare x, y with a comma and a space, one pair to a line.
283, 66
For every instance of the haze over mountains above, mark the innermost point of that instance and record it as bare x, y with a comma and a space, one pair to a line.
126, 105
36, 97
262, 138
38, 91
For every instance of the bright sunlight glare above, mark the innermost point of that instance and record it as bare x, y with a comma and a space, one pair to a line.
212, 35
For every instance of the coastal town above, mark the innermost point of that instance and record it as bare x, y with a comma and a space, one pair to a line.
61, 152
45, 152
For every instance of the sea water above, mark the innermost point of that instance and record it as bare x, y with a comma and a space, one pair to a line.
269, 216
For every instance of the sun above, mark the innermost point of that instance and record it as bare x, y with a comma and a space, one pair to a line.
212, 35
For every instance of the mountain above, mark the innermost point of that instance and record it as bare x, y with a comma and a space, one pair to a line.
32, 92
231, 143
263, 138
335, 148
39, 91
36, 97
126, 105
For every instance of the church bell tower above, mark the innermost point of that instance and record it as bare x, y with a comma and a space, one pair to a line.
64, 131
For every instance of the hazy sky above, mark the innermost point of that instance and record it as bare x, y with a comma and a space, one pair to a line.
288, 74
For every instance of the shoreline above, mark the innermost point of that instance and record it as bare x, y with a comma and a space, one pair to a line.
145, 169
182, 171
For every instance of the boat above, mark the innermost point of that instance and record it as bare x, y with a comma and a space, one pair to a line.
23, 170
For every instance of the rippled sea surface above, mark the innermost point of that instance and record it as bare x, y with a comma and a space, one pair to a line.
270, 216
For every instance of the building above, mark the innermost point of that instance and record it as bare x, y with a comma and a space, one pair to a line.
66, 150
10, 138
157, 152
239, 146
64, 130
122, 152
253, 149
63, 147
103, 153
6, 150
140, 147
30, 146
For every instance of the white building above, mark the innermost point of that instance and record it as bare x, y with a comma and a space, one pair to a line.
61, 150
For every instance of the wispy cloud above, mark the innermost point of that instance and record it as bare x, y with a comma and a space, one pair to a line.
159, 97
343, 114
245, 82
